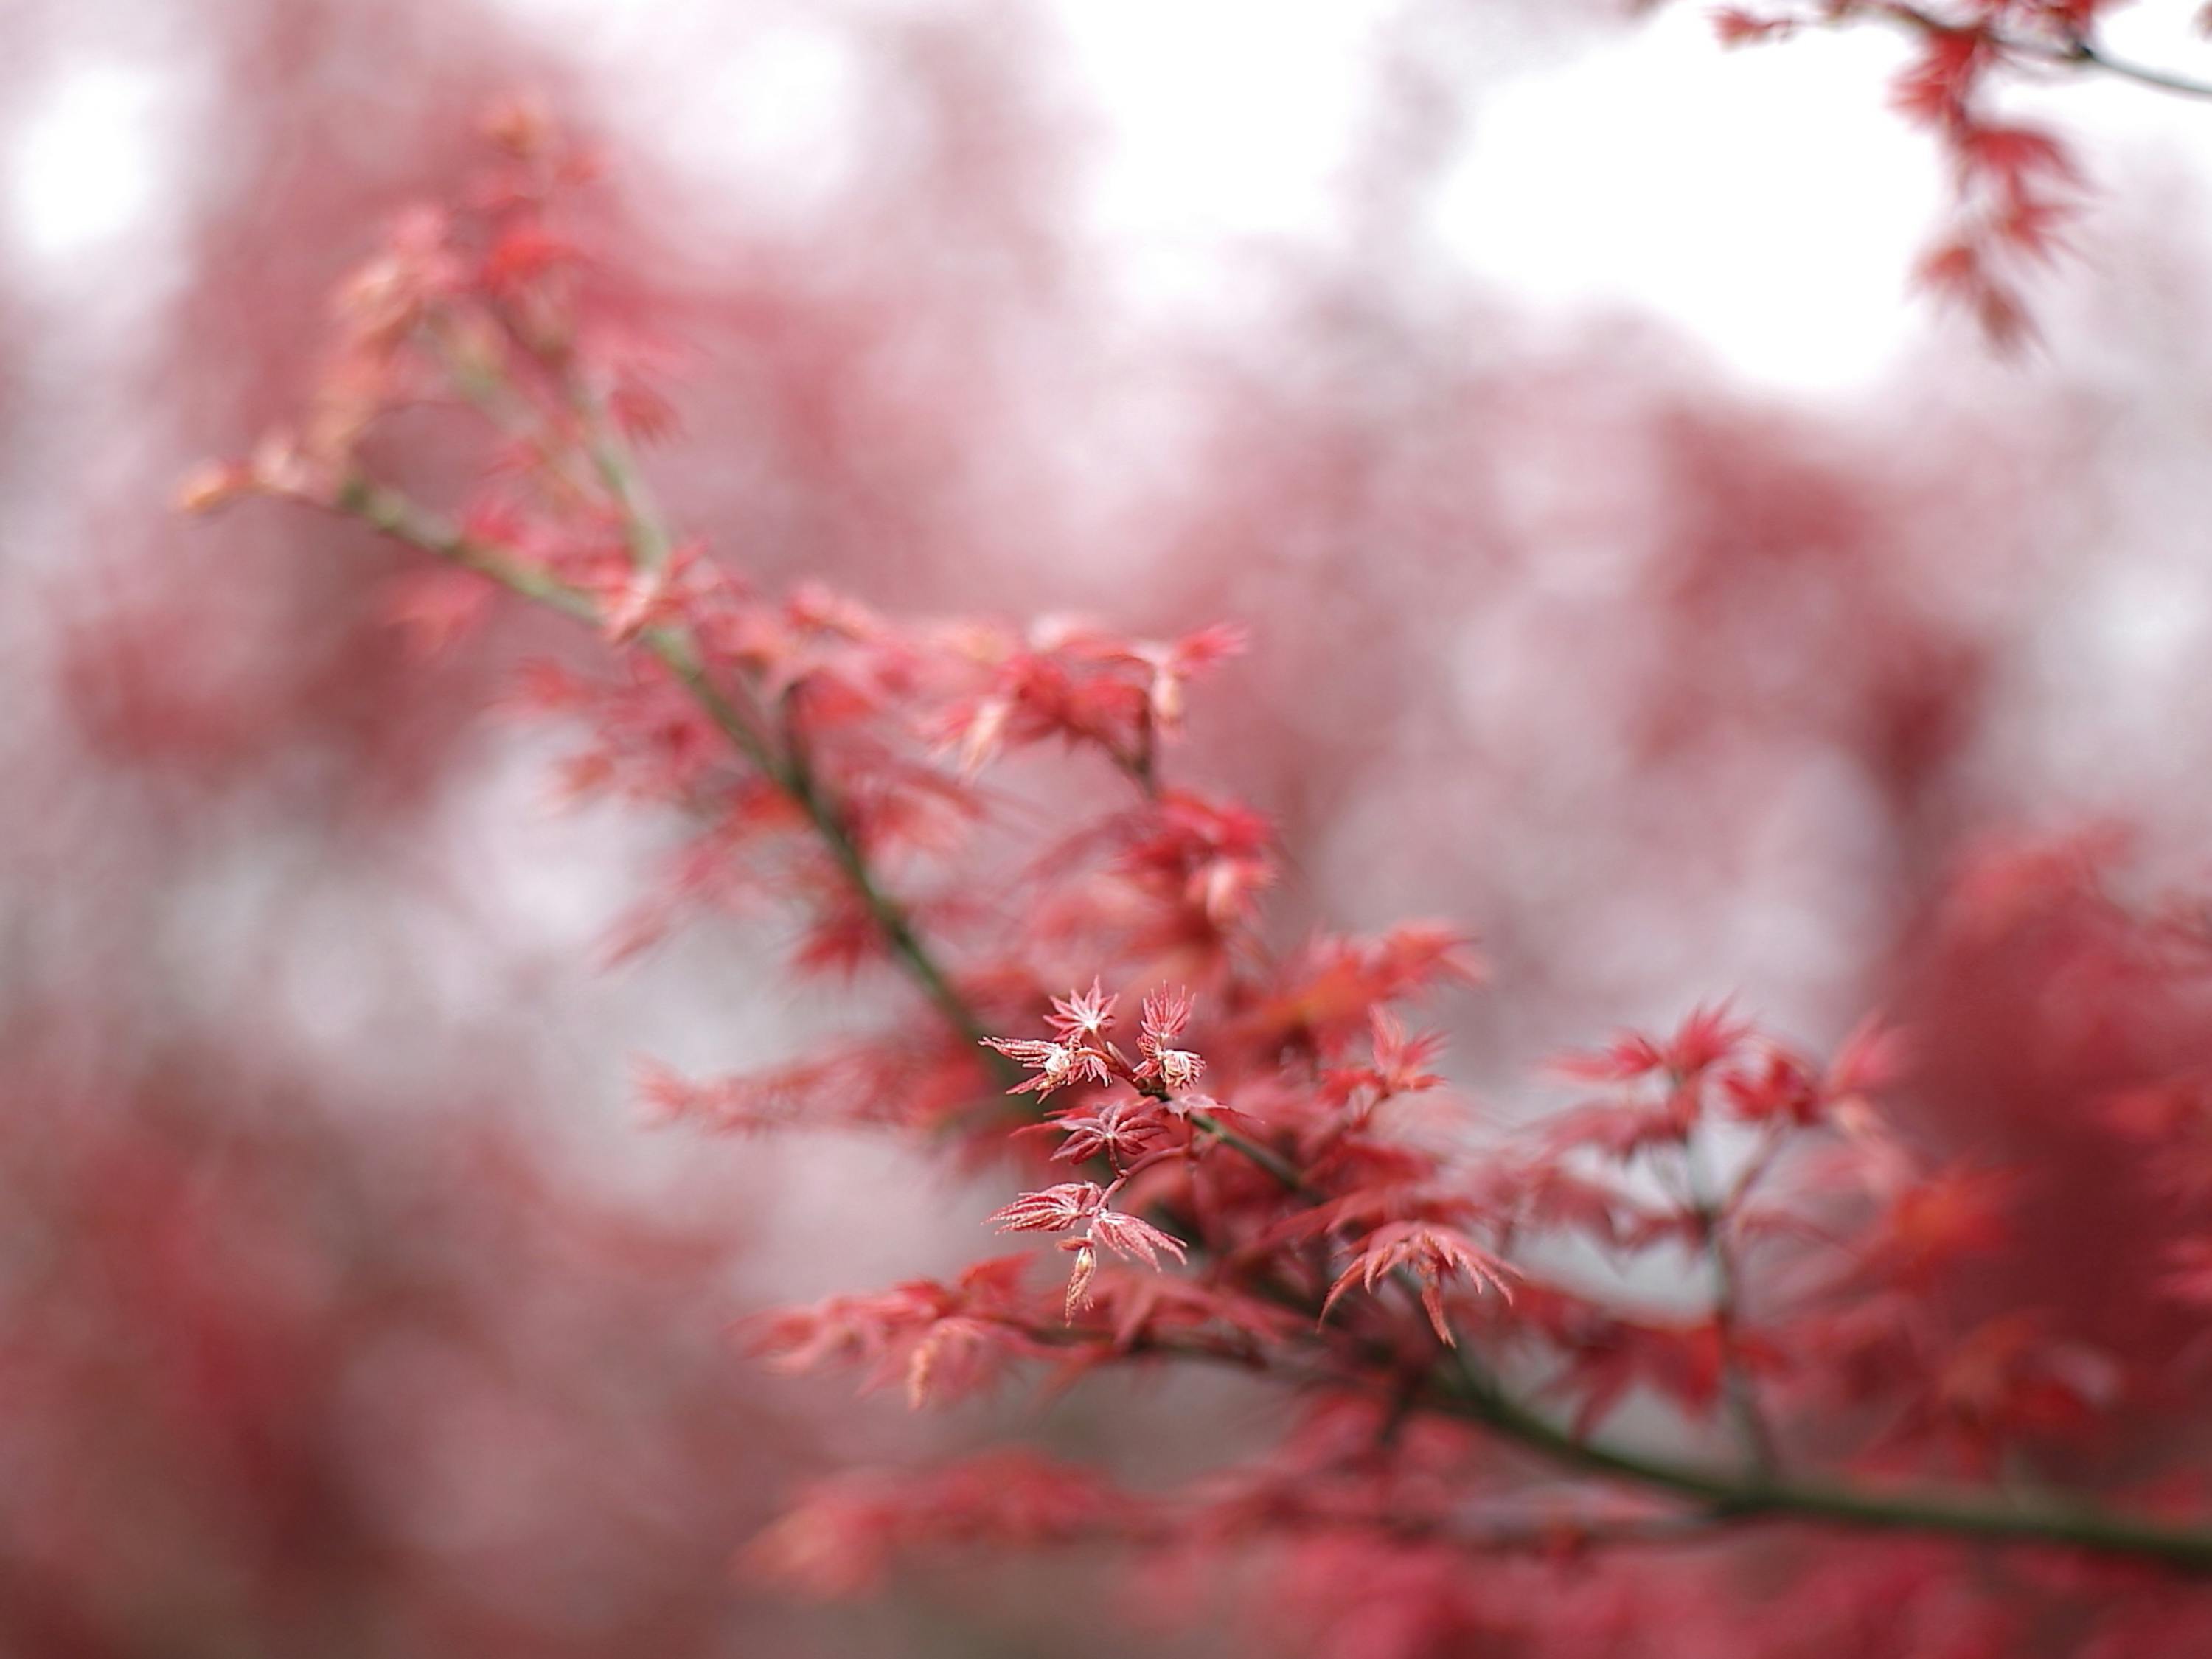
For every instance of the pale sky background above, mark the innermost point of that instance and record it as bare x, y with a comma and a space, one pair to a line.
1765, 202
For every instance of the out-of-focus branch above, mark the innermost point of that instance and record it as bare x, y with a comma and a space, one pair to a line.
1713, 1219
2081, 52
1838, 1504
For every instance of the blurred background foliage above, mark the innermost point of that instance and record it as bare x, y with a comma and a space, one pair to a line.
344, 1307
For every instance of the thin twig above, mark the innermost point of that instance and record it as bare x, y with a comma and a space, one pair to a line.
1841, 1504
2090, 54
2080, 53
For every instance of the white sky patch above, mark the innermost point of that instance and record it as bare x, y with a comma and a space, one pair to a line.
786, 112
1766, 200
1226, 119
84, 168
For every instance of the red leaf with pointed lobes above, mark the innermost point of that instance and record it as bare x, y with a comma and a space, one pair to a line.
1934, 91
1781, 1090
2015, 157
1053, 1209
1083, 1204
1629, 1056
1082, 1016
1175, 1070
1056, 1064
1138, 1240
1120, 1128
1432, 1254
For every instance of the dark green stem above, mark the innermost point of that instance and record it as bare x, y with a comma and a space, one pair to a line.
1729, 1494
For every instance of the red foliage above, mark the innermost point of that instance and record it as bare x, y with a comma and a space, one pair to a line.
2015, 188
1327, 1215
1754, 1346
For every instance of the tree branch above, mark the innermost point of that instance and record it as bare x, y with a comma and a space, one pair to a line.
1840, 1504
2082, 52
1476, 1398
1713, 1219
